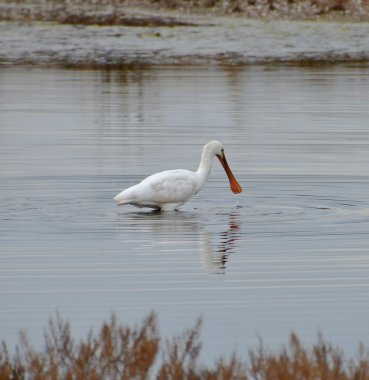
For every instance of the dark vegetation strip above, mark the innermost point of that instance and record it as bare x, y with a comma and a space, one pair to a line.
119, 12
117, 351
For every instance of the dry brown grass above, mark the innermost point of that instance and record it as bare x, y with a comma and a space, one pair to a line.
119, 12
122, 352
116, 352
81, 12
295, 9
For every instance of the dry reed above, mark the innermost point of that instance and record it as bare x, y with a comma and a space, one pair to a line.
122, 352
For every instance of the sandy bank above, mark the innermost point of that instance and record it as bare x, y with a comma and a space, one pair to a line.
205, 40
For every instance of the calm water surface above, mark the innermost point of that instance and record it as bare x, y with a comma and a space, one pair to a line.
290, 253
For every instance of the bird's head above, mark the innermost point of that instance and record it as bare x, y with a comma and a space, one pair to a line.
217, 149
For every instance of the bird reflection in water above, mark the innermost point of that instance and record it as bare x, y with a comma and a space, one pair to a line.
216, 258
183, 231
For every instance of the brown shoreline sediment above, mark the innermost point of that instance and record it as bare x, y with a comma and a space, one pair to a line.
172, 12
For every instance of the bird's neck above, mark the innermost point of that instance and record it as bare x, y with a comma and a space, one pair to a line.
204, 169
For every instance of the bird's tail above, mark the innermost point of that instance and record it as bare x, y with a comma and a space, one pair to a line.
124, 202
121, 200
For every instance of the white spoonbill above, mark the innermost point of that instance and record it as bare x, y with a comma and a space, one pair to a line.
169, 189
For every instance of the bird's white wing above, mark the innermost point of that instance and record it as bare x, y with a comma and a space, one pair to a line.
171, 186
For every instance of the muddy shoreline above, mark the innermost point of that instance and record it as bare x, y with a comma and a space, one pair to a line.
182, 40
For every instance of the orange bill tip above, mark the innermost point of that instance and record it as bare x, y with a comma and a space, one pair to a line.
235, 187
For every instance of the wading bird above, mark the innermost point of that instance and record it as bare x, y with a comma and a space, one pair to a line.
170, 189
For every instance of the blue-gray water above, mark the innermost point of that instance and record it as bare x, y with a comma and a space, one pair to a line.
290, 253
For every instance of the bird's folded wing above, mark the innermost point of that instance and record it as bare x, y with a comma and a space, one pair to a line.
170, 187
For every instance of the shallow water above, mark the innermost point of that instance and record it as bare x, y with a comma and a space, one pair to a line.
290, 253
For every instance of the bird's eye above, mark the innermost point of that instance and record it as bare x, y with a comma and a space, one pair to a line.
222, 150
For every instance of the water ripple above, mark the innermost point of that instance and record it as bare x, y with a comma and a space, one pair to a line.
291, 252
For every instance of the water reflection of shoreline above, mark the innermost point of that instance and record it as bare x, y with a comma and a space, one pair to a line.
185, 229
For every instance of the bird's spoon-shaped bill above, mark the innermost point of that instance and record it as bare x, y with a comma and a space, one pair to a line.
235, 186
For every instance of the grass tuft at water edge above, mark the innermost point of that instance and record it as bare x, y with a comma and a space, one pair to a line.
118, 351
